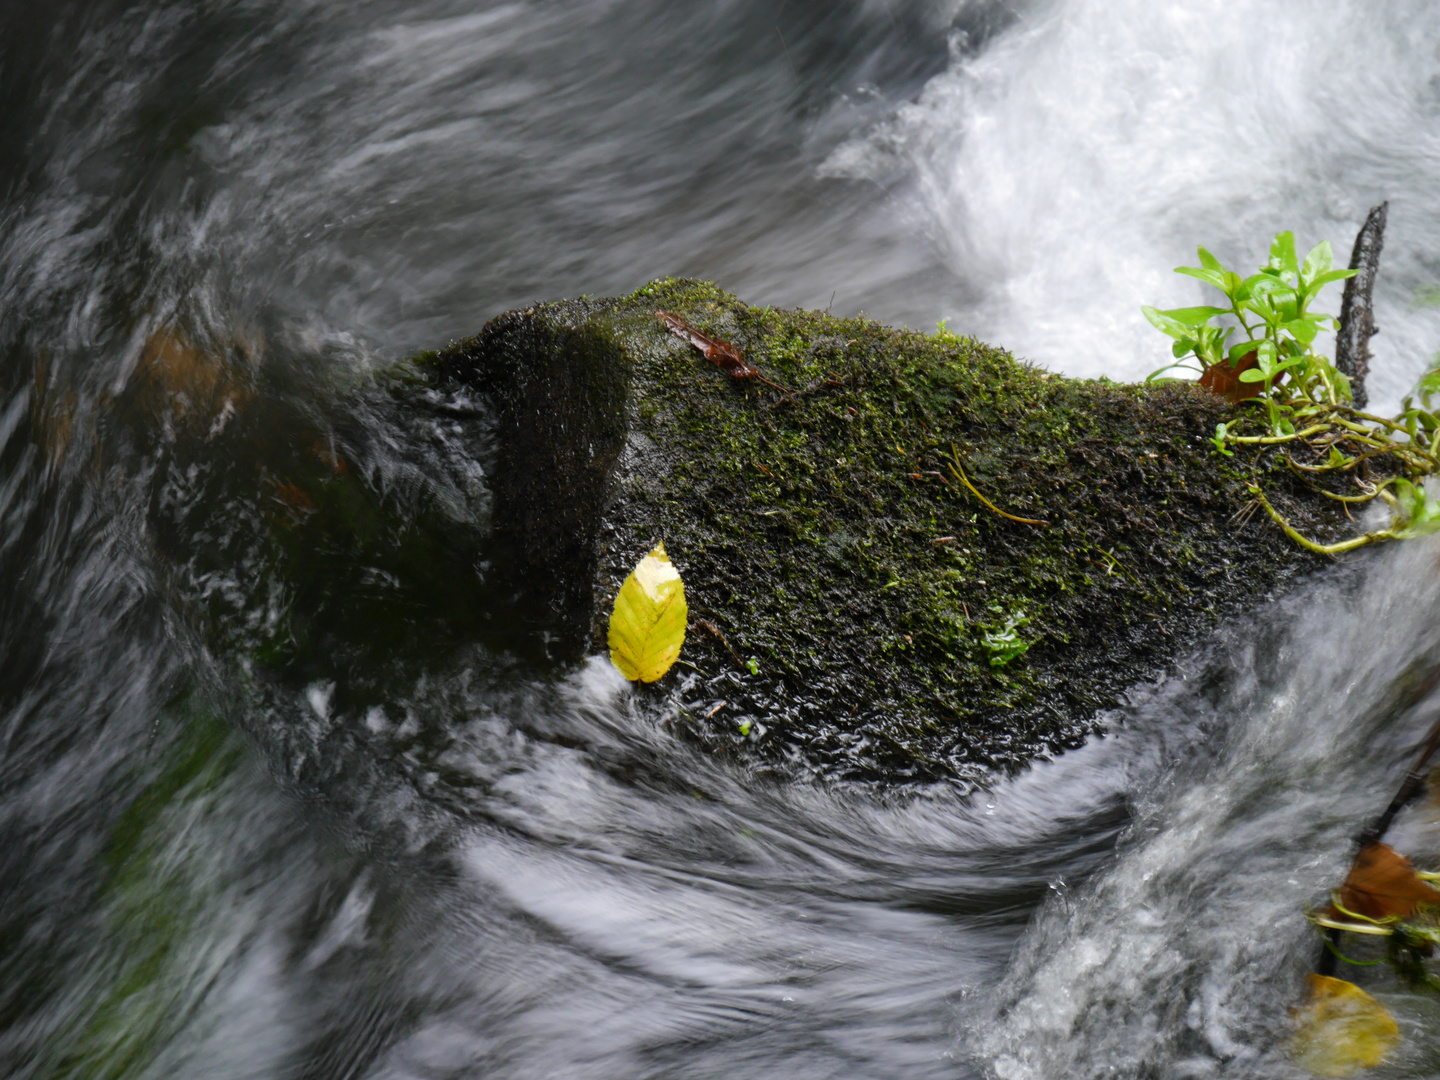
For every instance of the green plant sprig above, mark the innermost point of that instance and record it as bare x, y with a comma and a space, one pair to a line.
1305, 398
1272, 308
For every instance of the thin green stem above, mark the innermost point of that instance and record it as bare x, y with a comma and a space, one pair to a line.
1275, 440
1346, 498
1304, 541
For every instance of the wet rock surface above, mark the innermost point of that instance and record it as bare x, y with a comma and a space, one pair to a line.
857, 612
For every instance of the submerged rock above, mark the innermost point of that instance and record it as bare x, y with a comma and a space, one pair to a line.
859, 612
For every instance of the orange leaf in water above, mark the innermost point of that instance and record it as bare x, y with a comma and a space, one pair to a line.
324, 451
187, 382
1340, 1029
1382, 885
293, 495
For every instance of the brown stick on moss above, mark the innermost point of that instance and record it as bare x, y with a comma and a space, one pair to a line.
1357, 312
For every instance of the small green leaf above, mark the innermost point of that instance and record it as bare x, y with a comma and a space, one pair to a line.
1209, 262
1210, 277
1264, 309
1303, 330
1416, 513
1429, 383
1159, 376
1004, 643
1425, 296
1282, 253
1264, 285
1195, 316
1426, 519
1164, 323
1211, 346
1264, 371
1218, 439
1318, 262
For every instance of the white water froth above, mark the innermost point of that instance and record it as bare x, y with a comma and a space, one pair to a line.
1068, 167
1185, 958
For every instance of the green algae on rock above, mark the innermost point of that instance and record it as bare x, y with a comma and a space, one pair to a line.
848, 593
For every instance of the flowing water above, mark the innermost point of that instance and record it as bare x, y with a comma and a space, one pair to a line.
271, 808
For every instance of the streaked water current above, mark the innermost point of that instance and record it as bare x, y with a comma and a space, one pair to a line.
420, 850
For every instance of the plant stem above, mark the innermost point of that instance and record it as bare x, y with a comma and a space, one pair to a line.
960, 475
1272, 440
1306, 542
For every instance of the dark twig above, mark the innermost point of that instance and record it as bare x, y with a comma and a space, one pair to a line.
722, 354
715, 632
1357, 312
1412, 784
1410, 787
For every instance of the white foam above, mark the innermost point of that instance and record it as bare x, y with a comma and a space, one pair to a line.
1066, 169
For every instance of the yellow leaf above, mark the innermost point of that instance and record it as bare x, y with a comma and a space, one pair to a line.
1341, 1029
647, 626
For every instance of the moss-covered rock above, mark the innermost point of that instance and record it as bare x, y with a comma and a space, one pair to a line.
860, 612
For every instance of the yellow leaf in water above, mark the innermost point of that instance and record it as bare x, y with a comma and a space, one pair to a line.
647, 626
1341, 1029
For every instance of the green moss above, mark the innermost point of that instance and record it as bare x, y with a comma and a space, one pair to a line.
822, 533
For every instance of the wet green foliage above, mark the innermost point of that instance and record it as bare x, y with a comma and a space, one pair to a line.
1303, 410
1272, 311
1004, 642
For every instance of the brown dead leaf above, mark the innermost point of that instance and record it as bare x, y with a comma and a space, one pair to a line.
55, 410
182, 371
722, 354
323, 450
1382, 885
1224, 380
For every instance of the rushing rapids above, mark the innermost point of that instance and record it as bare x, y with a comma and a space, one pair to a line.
221, 220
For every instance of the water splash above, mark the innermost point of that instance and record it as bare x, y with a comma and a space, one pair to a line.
1066, 168
1187, 955
474, 868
